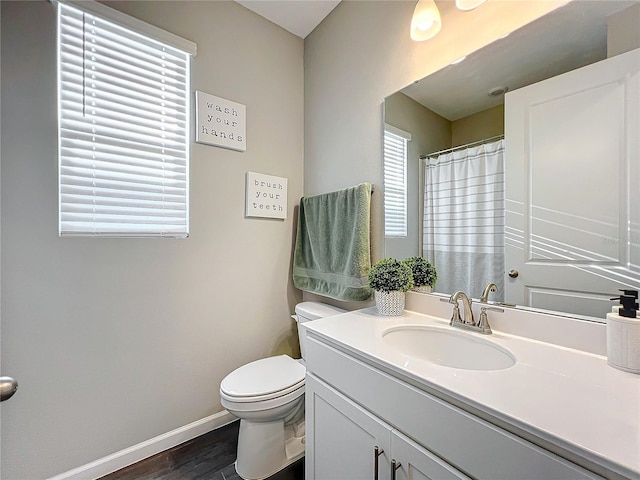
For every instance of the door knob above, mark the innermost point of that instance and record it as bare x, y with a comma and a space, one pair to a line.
514, 273
8, 387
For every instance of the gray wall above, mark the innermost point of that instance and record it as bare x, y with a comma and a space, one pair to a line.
362, 53
623, 33
116, 341
479, 126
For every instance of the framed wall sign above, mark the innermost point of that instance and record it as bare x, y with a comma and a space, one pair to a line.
266, 196
220, 122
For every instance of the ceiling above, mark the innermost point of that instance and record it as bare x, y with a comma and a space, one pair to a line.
570, 37
531, 54
299, 17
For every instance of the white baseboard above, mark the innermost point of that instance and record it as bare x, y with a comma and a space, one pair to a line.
131, 455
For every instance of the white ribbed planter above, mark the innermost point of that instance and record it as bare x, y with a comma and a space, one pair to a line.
422, 289
390, 303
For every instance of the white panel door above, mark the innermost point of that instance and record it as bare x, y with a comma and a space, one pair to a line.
572, 188
341, 437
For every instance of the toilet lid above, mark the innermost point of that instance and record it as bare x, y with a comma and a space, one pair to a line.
270, 376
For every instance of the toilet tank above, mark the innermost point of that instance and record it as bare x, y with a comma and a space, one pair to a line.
307, 311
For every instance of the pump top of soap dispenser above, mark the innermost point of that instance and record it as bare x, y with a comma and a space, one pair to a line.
628, 303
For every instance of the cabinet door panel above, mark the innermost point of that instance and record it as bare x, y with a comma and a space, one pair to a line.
341, 437
417, 463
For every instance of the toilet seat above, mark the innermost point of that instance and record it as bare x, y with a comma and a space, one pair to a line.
253, 406
263, 380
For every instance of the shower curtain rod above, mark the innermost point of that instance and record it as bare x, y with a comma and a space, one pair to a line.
460, 147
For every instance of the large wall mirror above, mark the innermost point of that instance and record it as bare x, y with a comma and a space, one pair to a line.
523, 164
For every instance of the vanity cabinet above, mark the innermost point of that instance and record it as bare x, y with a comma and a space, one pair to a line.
352, 406
348, 442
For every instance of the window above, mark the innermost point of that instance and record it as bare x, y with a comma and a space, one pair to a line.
395, 181
123, 128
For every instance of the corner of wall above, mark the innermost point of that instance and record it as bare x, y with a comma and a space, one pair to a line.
623, 33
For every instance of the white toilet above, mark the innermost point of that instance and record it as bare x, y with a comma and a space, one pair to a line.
268, 397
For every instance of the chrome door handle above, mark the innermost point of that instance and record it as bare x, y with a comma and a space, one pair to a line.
514, 273
394, 466
377, 451
8, 387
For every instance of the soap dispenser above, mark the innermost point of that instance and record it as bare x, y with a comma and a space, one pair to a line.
623, 333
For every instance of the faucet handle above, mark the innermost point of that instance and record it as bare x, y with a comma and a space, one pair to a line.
493, 309
455, 315
483, 323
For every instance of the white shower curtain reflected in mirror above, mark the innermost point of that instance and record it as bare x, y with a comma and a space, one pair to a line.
464, 218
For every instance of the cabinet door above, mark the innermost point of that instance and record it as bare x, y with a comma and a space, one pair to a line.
341, 437
417, 463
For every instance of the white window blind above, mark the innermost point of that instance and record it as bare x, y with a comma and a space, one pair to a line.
123, 129
395, 182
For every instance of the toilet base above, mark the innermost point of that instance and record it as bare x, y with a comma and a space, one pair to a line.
265, 448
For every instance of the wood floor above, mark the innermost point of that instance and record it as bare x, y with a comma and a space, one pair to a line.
208, 457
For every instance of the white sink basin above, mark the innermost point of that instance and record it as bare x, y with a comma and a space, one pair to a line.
448, 347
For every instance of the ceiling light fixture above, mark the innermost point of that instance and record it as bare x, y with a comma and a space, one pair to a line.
468, 4
498, 91
426, 21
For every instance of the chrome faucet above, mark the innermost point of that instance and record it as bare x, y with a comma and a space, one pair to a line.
467, 318
467, 321
492, 287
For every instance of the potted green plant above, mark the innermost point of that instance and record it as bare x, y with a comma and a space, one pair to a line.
424, 274
390, 279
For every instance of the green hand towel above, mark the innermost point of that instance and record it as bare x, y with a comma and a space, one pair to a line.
332, 253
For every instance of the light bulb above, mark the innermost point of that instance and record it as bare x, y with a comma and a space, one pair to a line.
426, 25
426, 21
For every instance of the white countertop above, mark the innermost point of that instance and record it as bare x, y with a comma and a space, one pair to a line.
565, 397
